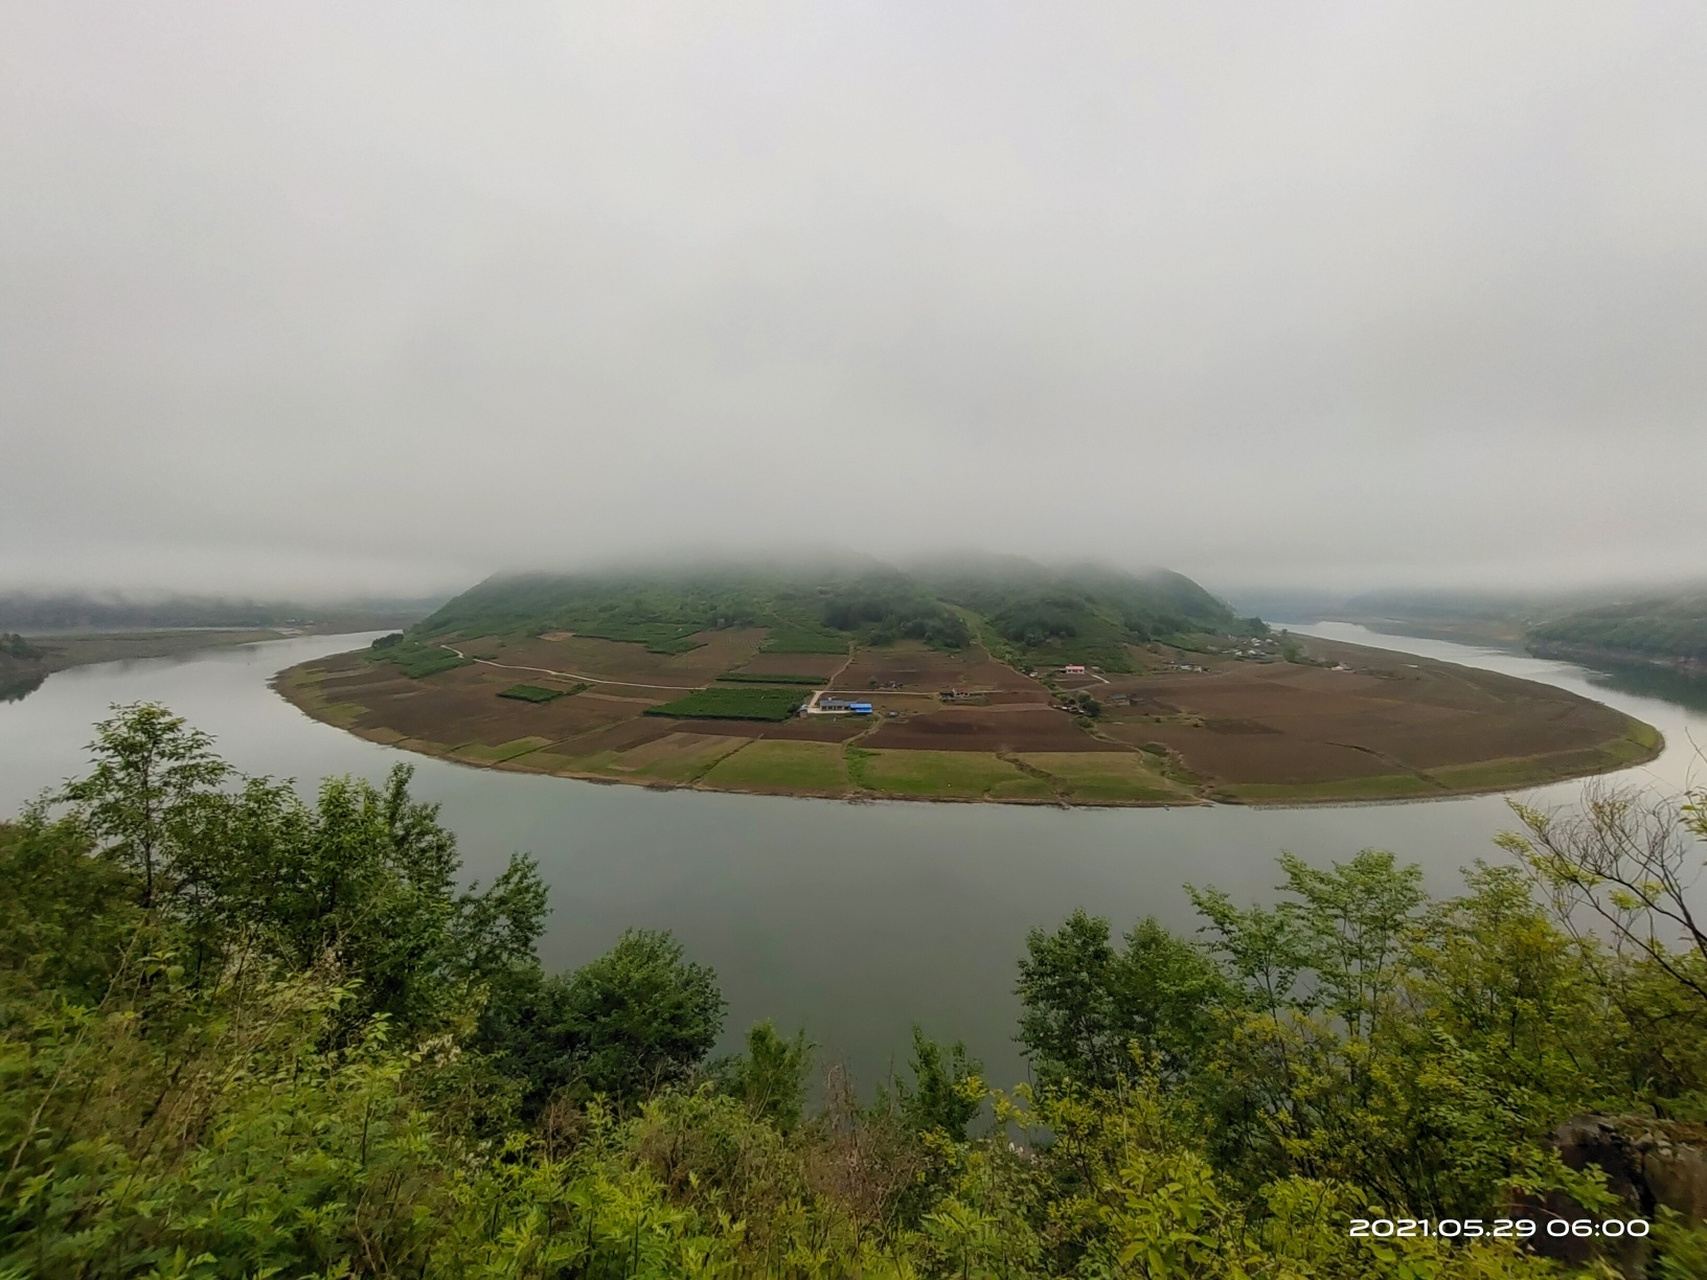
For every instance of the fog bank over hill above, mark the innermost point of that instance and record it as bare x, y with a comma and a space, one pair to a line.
379, 299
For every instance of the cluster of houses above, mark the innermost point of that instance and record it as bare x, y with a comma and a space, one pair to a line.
1264, 648
963, 695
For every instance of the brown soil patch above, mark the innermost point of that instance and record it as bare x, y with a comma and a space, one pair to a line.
723, 728
916, 667
622, 736
1255, 757
818, 729
1283, 722
795, 664
799, 729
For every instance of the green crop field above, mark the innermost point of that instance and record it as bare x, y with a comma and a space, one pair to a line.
658, 637
948, 775
758, 677
816, 767
1107, 777
534, 693
418, 661
800, 640
733, 704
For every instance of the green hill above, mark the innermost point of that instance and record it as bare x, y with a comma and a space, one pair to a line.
1669, 628
1029, 613
1085, 613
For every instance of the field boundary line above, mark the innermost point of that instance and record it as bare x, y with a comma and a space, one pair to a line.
571, 675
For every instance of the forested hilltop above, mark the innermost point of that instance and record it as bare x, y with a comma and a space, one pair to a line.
1019, 608
65, 612
1668, 629
1589, 624
981, 680
245, 1035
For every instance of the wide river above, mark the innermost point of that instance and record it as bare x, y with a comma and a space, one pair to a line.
854, 920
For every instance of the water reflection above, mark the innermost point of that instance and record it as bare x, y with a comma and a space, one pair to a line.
18, 687
854, 920
1665, 683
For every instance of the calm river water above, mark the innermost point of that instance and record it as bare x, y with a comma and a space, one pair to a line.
853, 920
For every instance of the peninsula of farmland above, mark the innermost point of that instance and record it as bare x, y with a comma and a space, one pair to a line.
995, 680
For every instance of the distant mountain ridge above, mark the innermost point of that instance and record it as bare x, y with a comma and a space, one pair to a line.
1670, 629
1026, 611
1604, 623
41, 613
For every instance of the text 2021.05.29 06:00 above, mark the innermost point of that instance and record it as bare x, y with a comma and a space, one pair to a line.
1497, 1228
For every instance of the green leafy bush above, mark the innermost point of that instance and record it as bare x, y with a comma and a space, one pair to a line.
246, 1034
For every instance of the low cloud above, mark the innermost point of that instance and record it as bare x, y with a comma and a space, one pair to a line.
385, 297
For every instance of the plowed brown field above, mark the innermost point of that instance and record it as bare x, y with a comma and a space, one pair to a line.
1022, 729
1379, 725
916, 667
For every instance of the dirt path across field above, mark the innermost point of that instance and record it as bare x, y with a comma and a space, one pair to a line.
570, 675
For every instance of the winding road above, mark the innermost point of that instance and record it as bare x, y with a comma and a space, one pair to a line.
571, 675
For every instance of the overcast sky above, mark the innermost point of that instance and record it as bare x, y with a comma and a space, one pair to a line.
385, 296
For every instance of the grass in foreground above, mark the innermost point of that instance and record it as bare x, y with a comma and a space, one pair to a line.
264, 1113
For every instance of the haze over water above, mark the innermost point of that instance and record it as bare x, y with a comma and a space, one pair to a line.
854, 919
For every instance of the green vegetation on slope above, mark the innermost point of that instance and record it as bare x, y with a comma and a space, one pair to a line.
1088, 614
658, 637
244, 1034
414, 658
1673, 627
661, 607
1037, 615
890, 607
793, 639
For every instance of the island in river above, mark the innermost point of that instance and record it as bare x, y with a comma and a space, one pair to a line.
997, 680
